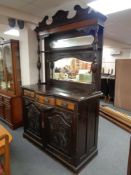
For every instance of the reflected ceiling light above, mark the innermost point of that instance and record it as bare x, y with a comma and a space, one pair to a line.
12, 32
110, 6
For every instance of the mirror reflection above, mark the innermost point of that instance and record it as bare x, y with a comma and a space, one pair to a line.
6, 71
72, 69
73, 42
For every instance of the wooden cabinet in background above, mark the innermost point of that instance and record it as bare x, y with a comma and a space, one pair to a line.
122, 84
10, 82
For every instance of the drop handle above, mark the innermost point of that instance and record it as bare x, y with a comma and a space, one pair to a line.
94, 66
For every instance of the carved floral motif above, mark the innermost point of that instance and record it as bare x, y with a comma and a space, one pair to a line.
60, 130
33, 116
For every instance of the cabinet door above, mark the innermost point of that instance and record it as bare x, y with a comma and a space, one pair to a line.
32, 117
58, 128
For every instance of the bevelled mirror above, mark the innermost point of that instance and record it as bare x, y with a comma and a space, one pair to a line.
72, 42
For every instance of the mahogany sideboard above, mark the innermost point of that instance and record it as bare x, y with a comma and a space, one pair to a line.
62, 122
61, 114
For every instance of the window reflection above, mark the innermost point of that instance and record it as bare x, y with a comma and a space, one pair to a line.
72, 69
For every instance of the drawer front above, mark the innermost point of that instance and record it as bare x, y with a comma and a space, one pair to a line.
6, 101
40, 98
28, 93
7, 114
1, 101
65, 104
45, 100
1, 111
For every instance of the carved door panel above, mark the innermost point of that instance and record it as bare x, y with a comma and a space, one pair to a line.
32, 117
58, 126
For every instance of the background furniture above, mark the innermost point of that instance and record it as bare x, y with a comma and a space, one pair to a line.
123, 84
104, 88
111, 86
10, 82
61, 115
108, 88
5, 140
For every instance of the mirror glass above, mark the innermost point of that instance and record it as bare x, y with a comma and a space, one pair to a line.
6, 70
72, 42
72, 69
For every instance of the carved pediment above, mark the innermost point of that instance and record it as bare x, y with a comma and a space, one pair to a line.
61, 18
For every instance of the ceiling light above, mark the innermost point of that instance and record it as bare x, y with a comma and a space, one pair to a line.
13, 32
110, 6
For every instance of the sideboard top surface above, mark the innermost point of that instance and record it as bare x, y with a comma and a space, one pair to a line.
72, 94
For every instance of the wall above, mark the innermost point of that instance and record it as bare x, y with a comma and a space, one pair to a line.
33, 57
111, 46
24, 57
28, 56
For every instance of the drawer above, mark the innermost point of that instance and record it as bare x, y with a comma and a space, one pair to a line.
1, 111
7, 114
65, 104
29, 93
0, 98
6, 101
45, 99
1, 102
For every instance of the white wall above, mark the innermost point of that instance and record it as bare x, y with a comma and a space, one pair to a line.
24, 57
33, 56
28, 56
108, 60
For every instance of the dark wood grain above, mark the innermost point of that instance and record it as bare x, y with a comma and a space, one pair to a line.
61, 18
67, 126
68, 135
